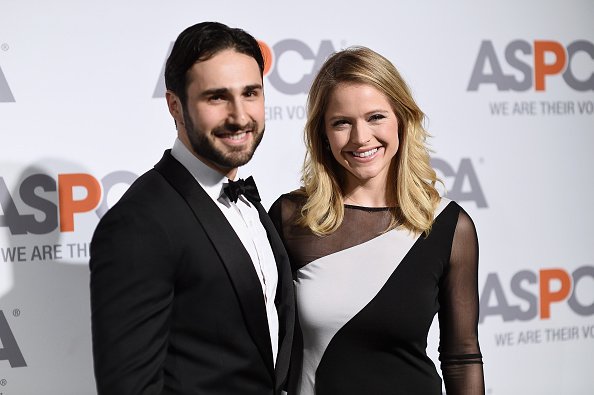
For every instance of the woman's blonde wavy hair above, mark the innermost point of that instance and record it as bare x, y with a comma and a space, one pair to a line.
413, 180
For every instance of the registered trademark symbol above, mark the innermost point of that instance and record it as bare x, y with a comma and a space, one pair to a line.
16, 312
3, 382
4, 47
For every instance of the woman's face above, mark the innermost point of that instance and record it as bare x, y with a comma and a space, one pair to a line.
362, 130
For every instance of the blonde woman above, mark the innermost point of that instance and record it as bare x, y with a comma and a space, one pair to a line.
376, 252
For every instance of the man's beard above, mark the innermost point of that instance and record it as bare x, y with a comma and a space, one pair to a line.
234, 157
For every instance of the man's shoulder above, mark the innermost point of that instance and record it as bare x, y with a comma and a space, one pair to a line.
149, 186
148, 195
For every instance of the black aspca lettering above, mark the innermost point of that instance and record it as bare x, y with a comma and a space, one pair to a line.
536, 291
464, 175
298, 49
10, 350
530, 63
160, 88
41, 192
302, 50
5, 92
22, 223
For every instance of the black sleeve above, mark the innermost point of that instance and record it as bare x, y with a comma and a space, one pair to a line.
460, 355
276, 216
131, 287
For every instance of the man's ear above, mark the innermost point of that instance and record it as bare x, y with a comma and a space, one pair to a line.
175, 107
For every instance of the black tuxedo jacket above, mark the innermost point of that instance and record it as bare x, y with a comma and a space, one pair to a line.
177, 307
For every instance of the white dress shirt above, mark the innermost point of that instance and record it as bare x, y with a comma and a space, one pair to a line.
245, 220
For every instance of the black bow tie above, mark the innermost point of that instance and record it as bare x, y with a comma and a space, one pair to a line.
245, 187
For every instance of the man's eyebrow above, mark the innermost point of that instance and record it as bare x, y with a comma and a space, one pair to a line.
215, 91
224, 91
252, 87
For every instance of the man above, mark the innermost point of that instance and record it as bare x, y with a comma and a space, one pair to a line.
191, 290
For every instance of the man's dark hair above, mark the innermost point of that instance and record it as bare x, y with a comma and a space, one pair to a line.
201, 42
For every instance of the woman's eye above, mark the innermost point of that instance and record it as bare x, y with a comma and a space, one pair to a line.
339, 122
377, 117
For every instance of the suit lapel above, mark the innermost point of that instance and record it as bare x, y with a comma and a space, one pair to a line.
230, 249
284, 300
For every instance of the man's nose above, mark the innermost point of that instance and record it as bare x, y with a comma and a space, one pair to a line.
237, 113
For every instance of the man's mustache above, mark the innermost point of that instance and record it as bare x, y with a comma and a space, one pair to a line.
233, 127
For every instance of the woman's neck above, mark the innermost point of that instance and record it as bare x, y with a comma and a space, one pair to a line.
369, 194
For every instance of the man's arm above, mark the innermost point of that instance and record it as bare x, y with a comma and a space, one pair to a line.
131, 296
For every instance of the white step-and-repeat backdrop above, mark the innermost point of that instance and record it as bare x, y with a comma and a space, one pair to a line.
508, 88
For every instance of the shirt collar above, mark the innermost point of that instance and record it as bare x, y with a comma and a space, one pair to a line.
209, 179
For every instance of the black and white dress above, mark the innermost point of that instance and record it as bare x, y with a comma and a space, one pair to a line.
366, 299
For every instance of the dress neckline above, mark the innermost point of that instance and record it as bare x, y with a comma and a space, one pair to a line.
365, 208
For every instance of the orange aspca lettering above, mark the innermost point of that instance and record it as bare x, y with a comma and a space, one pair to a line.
537, 289
267, 54
305, 63
549, 58
34, 190
547, 295
541, 68
68, 205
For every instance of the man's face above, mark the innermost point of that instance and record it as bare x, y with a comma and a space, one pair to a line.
223, 119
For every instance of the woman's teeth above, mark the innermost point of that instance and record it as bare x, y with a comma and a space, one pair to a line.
365, 154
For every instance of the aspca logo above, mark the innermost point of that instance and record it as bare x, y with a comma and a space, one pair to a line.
290, 65
275, 69
461, 181
5, 92
532, 63
40, 192
9, 350
537, 292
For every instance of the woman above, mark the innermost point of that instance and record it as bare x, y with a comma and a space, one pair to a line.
376, 252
